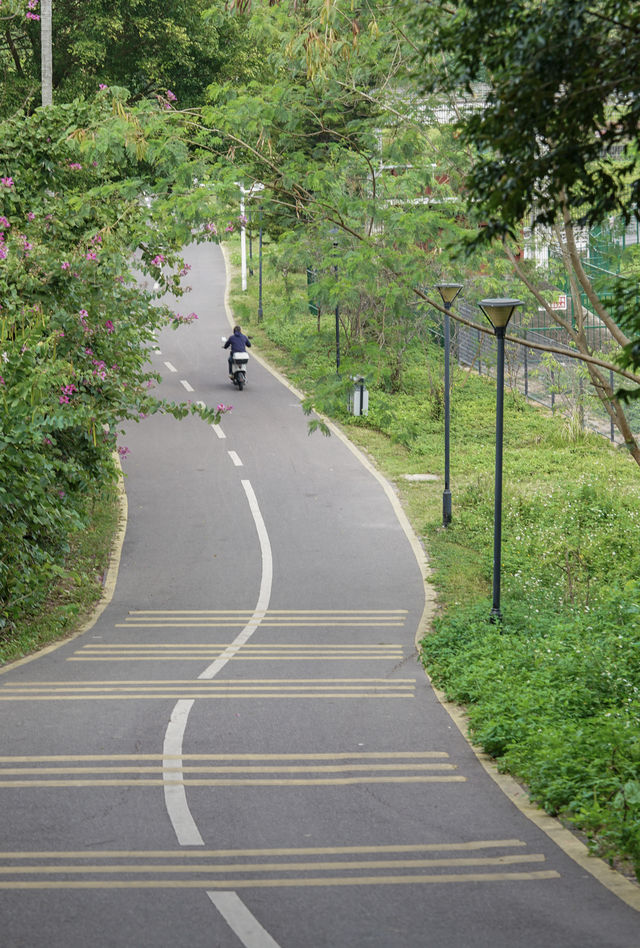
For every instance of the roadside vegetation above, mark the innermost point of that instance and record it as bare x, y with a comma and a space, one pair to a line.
371, 142
553, 693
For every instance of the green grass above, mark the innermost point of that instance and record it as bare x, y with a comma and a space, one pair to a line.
71, 601
553, 692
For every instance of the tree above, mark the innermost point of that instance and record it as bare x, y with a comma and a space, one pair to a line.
557, 141
145, 46
343, 139
75, 323
353, 175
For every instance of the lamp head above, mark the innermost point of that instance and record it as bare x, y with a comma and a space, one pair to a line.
499, 311
448, 291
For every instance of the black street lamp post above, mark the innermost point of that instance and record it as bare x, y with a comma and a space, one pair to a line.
260, 266
498, 312
335, 270
448, 292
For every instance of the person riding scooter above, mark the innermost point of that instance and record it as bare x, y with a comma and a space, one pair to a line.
239, 343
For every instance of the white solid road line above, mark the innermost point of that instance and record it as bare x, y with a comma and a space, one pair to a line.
263, 596
174, 794
241, 921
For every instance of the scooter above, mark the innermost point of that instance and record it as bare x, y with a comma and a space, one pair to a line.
238, 367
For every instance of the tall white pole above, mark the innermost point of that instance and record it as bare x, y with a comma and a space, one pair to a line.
46, 52
243, 241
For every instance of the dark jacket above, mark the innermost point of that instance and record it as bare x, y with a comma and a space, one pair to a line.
238, 342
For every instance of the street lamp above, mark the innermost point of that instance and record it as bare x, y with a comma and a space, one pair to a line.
448, 292
498, 312
245, 193
260, 267
334, 231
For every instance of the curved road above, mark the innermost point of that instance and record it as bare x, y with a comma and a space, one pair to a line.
243, 749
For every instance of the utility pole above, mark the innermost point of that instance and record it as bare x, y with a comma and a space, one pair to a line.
46, 52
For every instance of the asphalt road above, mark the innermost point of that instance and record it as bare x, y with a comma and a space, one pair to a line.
243, 749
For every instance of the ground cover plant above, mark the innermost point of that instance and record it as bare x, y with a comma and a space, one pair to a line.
553, 692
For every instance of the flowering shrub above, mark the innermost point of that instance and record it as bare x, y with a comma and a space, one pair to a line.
75, 323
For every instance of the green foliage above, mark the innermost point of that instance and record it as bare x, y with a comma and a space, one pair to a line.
555, 117
557, 700
147, 47
76, 322
553, 692
557, 135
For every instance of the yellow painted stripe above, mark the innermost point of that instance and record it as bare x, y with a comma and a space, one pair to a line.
228, 681
208, 685
364, 755
267, 657
269, 612
228, 769
187, 696
243, 853
239, 782
295, 646
444, 863
213, 623
217, 884
203, 687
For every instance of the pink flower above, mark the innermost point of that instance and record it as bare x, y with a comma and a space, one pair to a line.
2, 381
32, 16
228, 228
65, 265
109, 326
75, 166
211, 227
179, 318
4, 222
103, 86
122, 451
171, 97
31, 216
64, 399
6, 182
157, 260
92, 255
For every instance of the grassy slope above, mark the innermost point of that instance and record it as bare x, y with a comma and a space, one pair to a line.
553, 693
